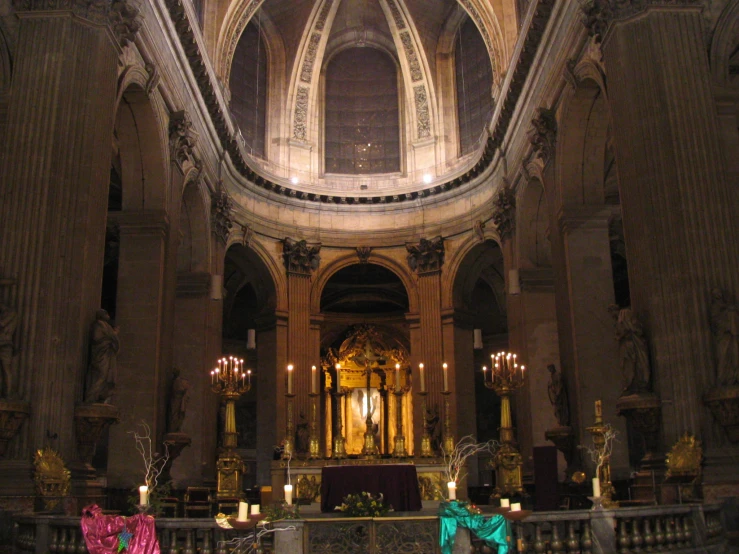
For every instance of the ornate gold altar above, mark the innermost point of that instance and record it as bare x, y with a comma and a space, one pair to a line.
370, 382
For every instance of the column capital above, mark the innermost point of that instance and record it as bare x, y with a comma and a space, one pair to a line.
598, 15
299, 257
504, 212
426, 256
221, 216
543, 133
122, 16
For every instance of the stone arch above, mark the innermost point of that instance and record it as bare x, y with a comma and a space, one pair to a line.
487, 22
469, 269
327, 272
266, 257
454, 263
237, 16
142, 139
193, 252
532, 229
724, 43
584, 122
255, 272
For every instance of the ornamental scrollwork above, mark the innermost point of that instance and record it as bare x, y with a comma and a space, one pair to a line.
183, 139
427, 255
504, 212
299, 257
543, 133
222, 220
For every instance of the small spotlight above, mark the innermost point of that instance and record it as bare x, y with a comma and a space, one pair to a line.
427, 178
294, 180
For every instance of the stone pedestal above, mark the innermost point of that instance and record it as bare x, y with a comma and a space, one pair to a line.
90, 422
176, 443
563, 438
724, 405
12, 415
643, 413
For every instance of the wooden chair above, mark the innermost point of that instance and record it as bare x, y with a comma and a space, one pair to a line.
198, 502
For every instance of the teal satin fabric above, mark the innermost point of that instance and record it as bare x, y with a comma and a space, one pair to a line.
494, 530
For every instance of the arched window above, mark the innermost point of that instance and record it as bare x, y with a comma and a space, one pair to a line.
249, 88
362, 128
474, 86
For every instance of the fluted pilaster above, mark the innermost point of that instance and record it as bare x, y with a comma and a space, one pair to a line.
54, 166
679, 221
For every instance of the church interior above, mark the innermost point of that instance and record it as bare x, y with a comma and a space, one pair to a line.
252, 241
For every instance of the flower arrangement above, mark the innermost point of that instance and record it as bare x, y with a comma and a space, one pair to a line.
364, 504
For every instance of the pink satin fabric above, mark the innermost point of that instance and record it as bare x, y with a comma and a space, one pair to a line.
101, 532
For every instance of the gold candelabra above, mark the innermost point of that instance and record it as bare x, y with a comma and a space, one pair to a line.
448, 436
399, 391
598, 431
506, 377
230, 381
315, 446
339, 450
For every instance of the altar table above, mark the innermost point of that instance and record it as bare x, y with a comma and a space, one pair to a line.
398, 484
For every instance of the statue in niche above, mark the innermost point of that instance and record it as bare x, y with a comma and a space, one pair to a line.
558, 396
8, 324
178, 398
633, 353
101, 372
724, 315
431, 424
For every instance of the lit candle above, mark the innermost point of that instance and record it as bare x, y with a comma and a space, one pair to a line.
423, 381
338, 377
255, 509
516, 507
243, 511
452, 486
144, 495
505, 503
289, 495
596, 487
290, 379
248, 374
397, 377
313, 380
484, 374
444, 367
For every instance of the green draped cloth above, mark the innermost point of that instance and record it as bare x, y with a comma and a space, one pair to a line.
493, 530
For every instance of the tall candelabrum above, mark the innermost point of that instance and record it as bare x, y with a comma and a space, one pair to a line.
314, 448
339, 449
448, 436
426, 450
230, 381
399, 391
506, 377
288, 449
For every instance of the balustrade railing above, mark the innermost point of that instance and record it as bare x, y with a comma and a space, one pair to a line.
682, 528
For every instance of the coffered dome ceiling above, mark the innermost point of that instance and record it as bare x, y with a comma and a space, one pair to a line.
326, 133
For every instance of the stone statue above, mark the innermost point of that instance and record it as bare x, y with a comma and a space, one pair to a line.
431, 424
8, 324
178, 398
302, 435
558, 396
633, 353
724, 314
101, 372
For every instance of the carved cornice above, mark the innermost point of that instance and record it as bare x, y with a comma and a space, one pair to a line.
300, 257
122, 16
221, 218
219, 117
183, 139
504, 212
427, 255
543, 133
598, 15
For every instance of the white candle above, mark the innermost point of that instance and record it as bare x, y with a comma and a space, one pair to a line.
397, 377
505, 503
255, 509
144, 495
596, 487
290, 379
446, 377
515, 507
313, 380
452, 486
243, 511
423, 381
289, 495
338, 378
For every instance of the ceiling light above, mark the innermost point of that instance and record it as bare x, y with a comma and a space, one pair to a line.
427, 178
294, 180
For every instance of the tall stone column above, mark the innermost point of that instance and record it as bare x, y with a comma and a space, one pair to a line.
427, 258
585, 245
679, 212
54, 166
139, 316
300, 261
